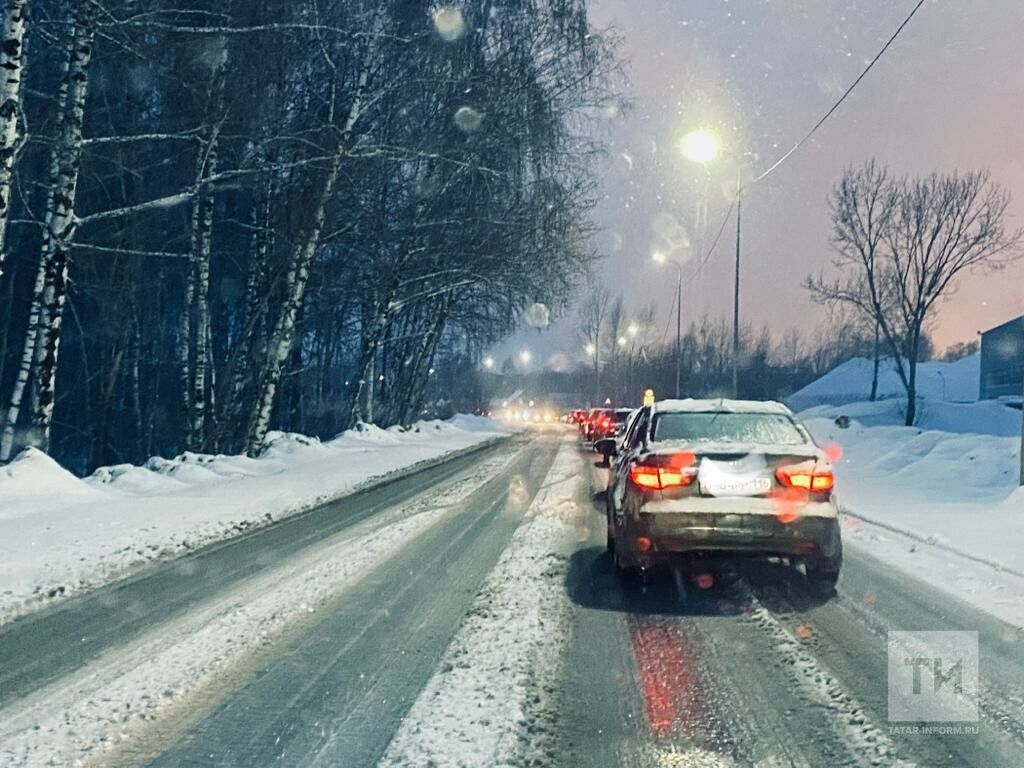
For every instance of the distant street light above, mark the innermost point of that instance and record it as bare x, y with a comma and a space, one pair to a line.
623, 341
525, 357
590, 349
488, 362
633, 329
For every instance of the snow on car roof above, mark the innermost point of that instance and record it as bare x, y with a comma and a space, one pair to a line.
721, 405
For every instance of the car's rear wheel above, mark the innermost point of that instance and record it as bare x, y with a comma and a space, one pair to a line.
627, 572
822, 577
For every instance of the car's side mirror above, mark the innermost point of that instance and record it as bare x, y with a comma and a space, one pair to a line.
606, 447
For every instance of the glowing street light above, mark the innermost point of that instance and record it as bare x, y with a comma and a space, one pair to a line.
633, 330
525, 357
659, 257
590, 349
488, 362
623, 341
700, 146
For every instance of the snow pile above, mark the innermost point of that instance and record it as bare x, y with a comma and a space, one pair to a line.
989, 417
851, 382
60, 534
487, 704
947, 485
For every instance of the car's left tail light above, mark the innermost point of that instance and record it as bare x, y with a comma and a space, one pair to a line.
658, 478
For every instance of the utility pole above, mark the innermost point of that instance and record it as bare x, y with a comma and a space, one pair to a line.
679, 325
1022, 413
736, 301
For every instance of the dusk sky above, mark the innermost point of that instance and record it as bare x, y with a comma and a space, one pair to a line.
949, 94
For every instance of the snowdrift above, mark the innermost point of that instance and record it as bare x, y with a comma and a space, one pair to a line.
851, 382
952, 479
60, 533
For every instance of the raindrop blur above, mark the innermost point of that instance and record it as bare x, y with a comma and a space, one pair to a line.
537, 315
449, 23
468, 119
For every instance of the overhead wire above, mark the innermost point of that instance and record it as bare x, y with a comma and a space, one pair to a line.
789, 153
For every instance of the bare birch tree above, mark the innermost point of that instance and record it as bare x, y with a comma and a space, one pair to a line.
902, 244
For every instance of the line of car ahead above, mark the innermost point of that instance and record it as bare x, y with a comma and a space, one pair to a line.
703, 479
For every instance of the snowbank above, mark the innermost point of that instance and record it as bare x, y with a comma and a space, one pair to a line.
988, 417
952, 481
60, 533
851, 382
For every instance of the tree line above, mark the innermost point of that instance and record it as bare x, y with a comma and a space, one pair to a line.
221, 218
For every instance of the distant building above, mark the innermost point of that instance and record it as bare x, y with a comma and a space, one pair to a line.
1002, 360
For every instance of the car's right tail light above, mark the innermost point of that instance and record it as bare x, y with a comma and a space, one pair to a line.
809, 476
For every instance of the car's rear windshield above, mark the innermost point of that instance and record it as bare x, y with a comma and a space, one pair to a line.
764, 428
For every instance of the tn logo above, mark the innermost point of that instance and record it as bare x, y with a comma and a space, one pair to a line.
939, 678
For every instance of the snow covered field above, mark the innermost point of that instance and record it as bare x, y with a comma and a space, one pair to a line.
939, 500
851, 382
60, 534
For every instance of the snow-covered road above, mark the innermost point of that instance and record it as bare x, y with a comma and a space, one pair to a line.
470, 616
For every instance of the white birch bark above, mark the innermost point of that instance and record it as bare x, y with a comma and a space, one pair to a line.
12, 65
202, 234
72, 86
295, 281
59, 232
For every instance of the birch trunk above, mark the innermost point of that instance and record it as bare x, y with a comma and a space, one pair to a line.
421, 372
48, 293
372, 335
202, 233
251, 341
295, 282
12, 65
59, 232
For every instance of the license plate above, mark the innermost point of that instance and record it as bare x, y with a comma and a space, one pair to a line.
724, 486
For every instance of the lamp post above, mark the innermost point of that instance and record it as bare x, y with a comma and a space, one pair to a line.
661, 258
591, 350
703, 146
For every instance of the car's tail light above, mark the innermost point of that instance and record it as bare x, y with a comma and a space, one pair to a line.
605, 423
658, 478
808, 476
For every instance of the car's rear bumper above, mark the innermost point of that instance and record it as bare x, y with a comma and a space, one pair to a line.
741, 526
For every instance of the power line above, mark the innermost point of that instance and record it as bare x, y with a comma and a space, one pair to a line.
817, 125
721, 229
842, 98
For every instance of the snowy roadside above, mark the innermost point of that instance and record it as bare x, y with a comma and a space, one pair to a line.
110, 702
939, 503
996, 591
488, 702
60, 534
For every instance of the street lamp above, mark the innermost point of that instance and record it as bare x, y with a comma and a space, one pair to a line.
488, 362
661, 258
703, 146
525, 357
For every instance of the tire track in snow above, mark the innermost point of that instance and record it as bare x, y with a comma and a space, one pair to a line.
491, 700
